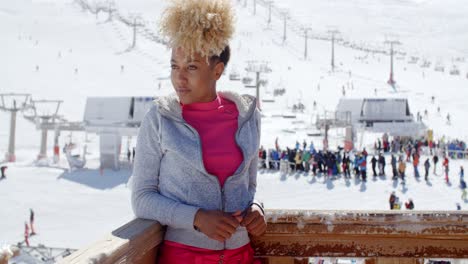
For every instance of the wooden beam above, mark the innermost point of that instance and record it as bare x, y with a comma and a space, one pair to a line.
134, 242
364, 234
384, 237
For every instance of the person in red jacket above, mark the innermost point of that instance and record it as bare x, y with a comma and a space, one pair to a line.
445, 164
26, 234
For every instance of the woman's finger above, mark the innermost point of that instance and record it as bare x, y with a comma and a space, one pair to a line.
226, 228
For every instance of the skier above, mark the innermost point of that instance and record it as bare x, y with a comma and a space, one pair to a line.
312, 148
356, 165
129, 155
446, 166
415, 165
381, 165
463, 187
462, 173
435, 159
298, 161
363, 167
394, 167
409, 205
26, 234
401, 169
392, 200
313, 161
133, 155
345, 166
427, 165
364, 152
3, 169
263, 158
305, 160
374, 162
31, 221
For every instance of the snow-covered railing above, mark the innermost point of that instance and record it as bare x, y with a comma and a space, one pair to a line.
457, 154
294, 235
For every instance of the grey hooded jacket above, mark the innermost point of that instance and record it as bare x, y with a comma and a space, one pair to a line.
170, 183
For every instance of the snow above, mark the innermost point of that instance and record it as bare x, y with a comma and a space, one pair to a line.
80, 56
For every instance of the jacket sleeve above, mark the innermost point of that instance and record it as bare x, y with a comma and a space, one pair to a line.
254, 164
147, 202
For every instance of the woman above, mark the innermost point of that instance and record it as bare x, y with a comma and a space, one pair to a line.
196, 156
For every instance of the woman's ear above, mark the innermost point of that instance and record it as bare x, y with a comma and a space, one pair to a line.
218, 70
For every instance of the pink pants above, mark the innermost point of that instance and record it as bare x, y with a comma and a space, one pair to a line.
171, 252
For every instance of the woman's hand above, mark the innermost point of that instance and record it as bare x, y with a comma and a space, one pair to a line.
254, 221
216, 224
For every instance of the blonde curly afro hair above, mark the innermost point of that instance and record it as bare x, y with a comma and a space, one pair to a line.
198, 26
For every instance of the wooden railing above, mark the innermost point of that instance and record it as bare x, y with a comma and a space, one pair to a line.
293, 236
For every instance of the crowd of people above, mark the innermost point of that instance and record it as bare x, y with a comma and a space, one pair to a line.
402, 153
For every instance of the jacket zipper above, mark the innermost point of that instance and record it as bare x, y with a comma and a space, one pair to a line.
221, 189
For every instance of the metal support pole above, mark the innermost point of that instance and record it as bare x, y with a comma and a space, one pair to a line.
284, 29
11, 157
391, 81
43, 149
333, 53
134, 33
269, 13
325, 140
258, 89
56, 145
110, 12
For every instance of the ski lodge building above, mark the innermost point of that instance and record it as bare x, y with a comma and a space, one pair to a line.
112, 118
381, 115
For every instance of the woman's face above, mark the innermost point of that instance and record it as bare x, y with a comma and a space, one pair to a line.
193, 79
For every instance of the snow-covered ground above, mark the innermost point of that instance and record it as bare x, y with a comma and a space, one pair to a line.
54, 50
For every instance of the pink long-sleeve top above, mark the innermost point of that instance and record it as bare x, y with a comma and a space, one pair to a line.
216, 123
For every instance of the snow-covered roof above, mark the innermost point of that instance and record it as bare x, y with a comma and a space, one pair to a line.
385, 110
376, 109
116, 111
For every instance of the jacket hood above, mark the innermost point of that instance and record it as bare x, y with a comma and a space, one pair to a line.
169, 106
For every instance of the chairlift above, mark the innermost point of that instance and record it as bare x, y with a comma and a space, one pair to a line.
247, 80
315, 134
75, 161
234, 76
454, 70
263, 82
288, 131
413, 60
426, 64
279, 91
439, 68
